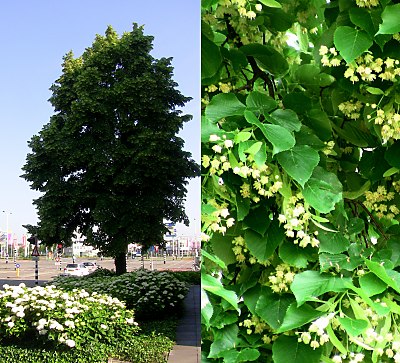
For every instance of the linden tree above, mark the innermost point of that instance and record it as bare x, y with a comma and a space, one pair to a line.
300, 181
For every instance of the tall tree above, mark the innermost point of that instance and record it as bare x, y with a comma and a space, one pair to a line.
109, 162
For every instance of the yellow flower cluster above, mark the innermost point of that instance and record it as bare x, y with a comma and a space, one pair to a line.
330, 57
254, 325
223, 87
240, 250
295, 219
369, 68
378, 202
316, 335
367, 3
219, 163
328, 149
219, 221
282, 278
351, 109
390, 122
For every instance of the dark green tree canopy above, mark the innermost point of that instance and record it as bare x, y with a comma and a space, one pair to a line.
109, 162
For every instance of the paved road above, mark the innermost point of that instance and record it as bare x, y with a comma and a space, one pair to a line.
48, 268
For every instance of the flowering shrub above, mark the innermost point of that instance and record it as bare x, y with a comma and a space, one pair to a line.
147, 292
301, 181
70, 319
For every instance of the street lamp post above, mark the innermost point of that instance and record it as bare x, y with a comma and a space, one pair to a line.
7, 213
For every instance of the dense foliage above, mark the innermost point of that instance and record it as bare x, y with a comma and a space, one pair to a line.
109, 163
150, 293
50, 324
300, 181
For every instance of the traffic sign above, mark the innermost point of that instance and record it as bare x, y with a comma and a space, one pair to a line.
35, 252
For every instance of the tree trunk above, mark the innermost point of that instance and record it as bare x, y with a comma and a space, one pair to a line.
120, 263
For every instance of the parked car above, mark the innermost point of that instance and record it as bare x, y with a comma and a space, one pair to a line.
91, 266
75, 269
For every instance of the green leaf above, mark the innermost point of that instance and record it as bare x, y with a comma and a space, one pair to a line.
207, 309
390, 172
351, 42
213, 285
280, 138
288, 349
355, 226
392, 154
383, 274
318, 121
248, 355
245, 355
271, 3
357, 193
224, 105
267, 58
243, 207
366, 19
335, 341
224, 340
285, 118
294, 255
208, 128
261, 157
242, 136
213, 258
299, 162
371, 284
297, 316
260, 102
333, 243
222, 248
211, 58
258, 219
353, 327
272, 308
254, 149
339, 262
374, 91
390, 20
262, 247
323, 190
308, 285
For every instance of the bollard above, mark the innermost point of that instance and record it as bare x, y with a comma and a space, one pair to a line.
142, 262
36, 270
165, 258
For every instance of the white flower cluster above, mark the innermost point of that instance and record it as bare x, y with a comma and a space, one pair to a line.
220, 219
281, 279
316, 335
143, 290
53, 313
295, 219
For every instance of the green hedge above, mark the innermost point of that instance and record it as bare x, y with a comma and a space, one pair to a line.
190, 277
142, 349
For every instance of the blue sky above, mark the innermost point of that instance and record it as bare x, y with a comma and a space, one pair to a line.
35, 37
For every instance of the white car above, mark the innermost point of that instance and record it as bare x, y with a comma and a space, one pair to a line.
91, 266
75, 269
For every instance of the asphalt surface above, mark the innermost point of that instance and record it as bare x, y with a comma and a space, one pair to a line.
47, 269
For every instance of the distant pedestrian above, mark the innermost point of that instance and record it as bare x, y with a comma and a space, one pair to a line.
73, 258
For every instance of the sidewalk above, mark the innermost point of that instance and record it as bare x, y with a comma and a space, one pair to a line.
187, 348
